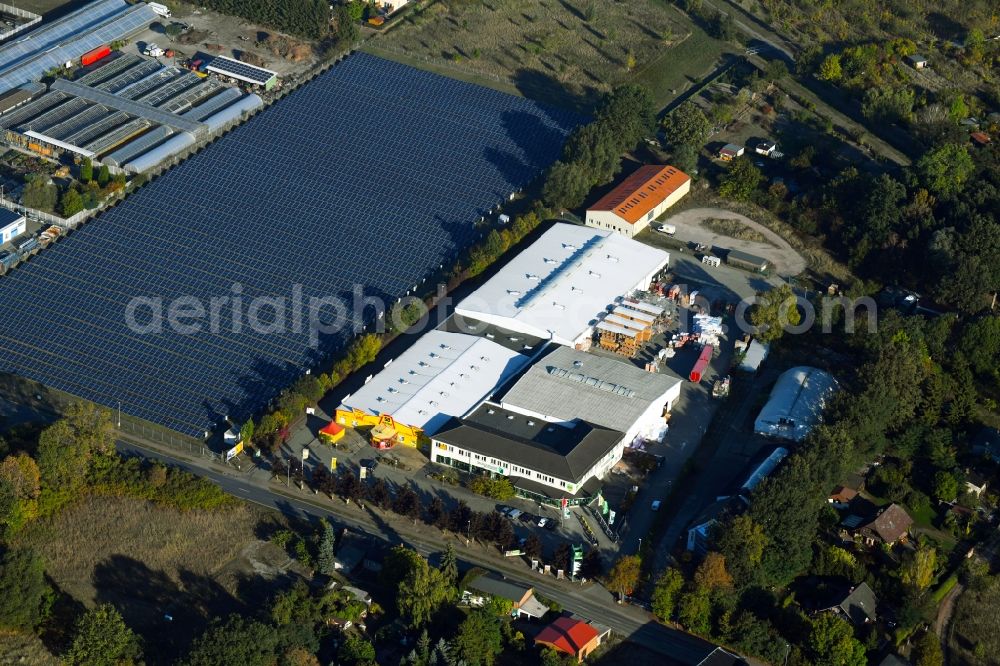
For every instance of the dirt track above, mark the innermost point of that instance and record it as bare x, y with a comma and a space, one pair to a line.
784, 258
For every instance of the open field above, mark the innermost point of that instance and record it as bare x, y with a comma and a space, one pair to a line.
566, 52
153, 562
974, 639
679, 68
24, 649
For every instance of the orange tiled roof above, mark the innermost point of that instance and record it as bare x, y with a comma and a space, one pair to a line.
642, 191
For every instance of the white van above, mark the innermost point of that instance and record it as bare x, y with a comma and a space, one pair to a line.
667, 229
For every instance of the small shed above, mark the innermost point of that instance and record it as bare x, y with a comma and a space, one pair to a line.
755, 355
747, 261
766, 148
729, 152
916, 61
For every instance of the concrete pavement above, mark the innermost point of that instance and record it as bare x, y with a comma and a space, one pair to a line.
589, 600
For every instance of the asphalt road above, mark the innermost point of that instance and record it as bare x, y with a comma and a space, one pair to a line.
590, 601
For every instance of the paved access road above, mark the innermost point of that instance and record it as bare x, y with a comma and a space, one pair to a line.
591, 601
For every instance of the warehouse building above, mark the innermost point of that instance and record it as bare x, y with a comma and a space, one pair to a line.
796, 403
639, 199
129, 113
544, 461
65, 40
567, 384
443, 375
563, 283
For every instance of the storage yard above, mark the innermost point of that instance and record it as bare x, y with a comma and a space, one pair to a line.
372, 174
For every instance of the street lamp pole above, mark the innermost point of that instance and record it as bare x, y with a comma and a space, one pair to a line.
119, 414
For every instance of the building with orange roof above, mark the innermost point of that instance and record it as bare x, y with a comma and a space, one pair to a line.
571, 636
639, 199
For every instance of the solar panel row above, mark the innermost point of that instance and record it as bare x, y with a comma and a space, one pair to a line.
370, 175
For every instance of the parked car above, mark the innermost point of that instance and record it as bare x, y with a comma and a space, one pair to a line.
528, 517
551, 525
504, 510
369, 463
655, 506
513, 514
542, 522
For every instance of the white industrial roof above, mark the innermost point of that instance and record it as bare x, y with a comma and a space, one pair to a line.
557, 287
796, 403
442, 375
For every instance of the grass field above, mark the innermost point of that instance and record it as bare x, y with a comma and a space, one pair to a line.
151, 562
565, 52
24, 649
974, 638
682, 66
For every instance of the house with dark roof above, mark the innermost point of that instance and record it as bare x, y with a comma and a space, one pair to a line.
570, 636
544, 461
890, 525
857, 606
357, 551
479, 591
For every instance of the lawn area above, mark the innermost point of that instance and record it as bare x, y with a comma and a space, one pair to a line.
565, 52
682, 66
150, 562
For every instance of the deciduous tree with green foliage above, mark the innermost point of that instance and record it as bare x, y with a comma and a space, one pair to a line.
832, 643
102, 638
355, 651
25, 597
741, 180
686, 125
666, 594
479, 640
742, 542
944, 170
422, 589
86, 170
772, 311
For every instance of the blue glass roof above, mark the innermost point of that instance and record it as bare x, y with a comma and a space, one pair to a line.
372, 174
54, 44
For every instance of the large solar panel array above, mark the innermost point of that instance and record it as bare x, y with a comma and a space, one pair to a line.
372, 174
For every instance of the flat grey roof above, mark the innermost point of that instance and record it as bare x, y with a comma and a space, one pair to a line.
746, 257
569, 384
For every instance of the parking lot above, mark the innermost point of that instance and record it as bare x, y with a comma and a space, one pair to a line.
401, 466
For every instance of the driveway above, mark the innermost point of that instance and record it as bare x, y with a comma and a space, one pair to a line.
783, 257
